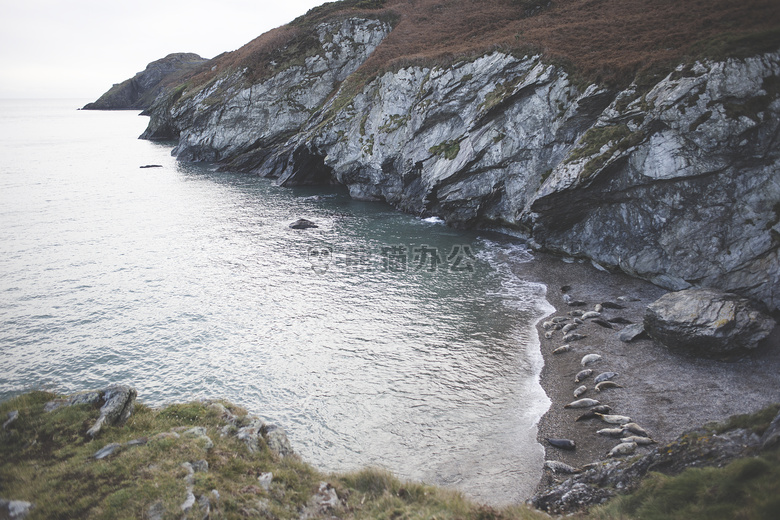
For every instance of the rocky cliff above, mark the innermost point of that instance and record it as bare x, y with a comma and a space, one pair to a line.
140, 91
674, 180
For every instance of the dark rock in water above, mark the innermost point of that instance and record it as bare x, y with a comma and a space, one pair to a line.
707, 321
632, 332
14, 509
151, 166
302, 223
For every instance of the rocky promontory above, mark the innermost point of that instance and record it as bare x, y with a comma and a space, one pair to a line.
140, 91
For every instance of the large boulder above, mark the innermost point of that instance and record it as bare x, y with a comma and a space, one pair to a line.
707, 321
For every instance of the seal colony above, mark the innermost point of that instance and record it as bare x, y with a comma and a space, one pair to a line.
663, 392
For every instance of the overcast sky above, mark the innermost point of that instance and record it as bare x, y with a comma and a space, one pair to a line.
79, 48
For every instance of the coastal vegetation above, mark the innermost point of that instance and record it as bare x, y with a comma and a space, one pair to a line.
47, 459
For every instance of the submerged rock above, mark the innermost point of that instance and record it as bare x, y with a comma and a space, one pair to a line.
303, 223
707, 321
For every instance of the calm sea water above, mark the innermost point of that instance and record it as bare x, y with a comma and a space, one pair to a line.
376, 339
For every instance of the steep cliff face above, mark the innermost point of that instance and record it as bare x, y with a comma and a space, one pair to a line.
230, 115
140, 91
675, 182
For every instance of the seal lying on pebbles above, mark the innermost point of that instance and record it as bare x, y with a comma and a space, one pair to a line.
590, 358
562, 349
593, 412
624, 448
583, 403
560, 467
641, 441
559, 319
620, 320
580, 390
607, 384
605, 376
611, 432
583, 374
636, 429
568, 328
591, 314
614, 419
573, 336
602, 323
564, 444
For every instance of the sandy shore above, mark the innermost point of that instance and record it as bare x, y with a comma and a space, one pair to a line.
663, 391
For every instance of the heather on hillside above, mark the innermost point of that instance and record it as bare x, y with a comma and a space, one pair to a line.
606, 41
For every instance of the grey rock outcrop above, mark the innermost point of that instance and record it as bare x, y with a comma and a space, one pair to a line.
675, 183
14, 509
140, 91
707, 321
118, 403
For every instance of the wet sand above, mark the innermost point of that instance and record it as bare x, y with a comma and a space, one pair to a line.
665, 392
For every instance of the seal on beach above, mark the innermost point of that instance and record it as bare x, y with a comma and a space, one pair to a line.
583, 374
624, 448
547, 325
620, 320
641, 441
607, 384
591, 314
573, 336
598, 307
611, 305
560, 467
602, 323
580, 390
576, 313
568, 328
591, 414
635, 428
564, 444
614, 419
590, 358
548, 334
611, 432
584, 403
605, 376
559, 319
562, 349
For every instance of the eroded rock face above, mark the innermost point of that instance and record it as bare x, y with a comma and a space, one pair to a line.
707, 321
676, 184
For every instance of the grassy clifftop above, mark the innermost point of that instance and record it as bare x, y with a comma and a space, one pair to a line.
191, 460
605, 41
184, 460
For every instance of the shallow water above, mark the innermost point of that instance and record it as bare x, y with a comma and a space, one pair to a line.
375, 339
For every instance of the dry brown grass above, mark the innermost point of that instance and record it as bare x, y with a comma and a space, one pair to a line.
608, 41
